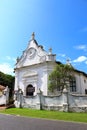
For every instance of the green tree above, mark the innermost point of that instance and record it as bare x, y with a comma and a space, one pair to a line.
7, 80
60, 77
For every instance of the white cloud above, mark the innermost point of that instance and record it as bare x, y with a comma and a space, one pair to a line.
11, 58
6, 65
81, 47
80, 59
62, 55
6, 68
8, 57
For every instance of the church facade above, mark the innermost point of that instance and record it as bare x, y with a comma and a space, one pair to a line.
33, 68
32, 71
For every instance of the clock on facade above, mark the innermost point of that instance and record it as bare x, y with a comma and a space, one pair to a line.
31, 52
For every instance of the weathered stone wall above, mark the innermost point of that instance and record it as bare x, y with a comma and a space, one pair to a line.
53, 103
77, 103
32, 102
39, 101
62, 102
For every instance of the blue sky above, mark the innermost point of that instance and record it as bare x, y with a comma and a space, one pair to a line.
60, 24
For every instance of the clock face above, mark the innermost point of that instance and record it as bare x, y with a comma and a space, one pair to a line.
31, 52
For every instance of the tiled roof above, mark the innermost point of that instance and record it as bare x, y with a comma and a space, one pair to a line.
2, 87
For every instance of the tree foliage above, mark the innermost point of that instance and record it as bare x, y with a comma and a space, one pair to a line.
7, 80
60, 77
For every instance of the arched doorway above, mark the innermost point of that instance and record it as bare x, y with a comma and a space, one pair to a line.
30, 90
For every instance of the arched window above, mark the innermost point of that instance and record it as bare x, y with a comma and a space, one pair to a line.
73, 85
30, 90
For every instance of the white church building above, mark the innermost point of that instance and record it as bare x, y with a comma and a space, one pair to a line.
31, 76
33, 68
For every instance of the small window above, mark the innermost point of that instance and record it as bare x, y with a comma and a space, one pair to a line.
73, 85
85, 91
84, 81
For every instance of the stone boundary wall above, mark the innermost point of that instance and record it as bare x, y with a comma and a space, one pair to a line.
77, 103
62, 102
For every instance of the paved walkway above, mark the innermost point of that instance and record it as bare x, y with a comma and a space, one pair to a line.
9, 122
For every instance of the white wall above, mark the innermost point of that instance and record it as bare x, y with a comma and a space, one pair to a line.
81, 83
2, 100
37, 75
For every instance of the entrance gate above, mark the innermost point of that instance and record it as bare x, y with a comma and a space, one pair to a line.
30, 90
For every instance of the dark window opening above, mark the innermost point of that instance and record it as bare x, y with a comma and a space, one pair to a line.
85, 91
73, 85
84, 81
30, 90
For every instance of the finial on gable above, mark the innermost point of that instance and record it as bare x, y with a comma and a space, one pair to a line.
50, 50
33, 36
68, 61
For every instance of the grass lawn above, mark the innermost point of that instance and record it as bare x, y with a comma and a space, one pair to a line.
77, 117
